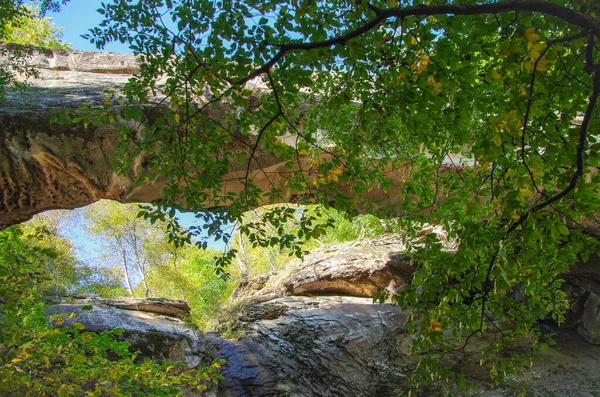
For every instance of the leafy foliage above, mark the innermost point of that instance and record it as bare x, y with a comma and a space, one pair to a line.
254, 259
478, 116
65, 274
41, 360
29, 28
190, 276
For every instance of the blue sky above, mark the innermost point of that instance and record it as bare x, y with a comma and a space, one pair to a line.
76, 18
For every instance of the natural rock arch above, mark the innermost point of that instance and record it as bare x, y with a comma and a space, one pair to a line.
45, 165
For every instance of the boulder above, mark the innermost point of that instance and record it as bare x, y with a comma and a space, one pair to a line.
299, 346
359, 268
582, 287
589, 323
315, 346
157, 336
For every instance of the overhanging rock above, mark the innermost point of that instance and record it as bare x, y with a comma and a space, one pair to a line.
44, 165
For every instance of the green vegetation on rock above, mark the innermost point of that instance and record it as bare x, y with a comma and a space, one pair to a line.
38, 359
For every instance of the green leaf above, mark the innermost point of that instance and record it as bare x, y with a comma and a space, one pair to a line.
78, 326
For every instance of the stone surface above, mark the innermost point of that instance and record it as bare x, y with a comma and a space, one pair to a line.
582, 286
45, 166
330, 346
354, 269
309, 346
156, 336
589, 324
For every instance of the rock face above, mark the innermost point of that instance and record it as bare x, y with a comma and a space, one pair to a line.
321, 343
355, 269
306, 346
583, 291
157, 336
44, 165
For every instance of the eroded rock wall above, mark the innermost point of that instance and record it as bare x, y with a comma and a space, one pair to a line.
44, 165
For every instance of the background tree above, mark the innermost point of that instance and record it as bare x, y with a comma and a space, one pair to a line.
25, 25
64, 273
490, 106
127, 241
30, 28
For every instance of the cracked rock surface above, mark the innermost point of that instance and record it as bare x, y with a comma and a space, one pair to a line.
329, 344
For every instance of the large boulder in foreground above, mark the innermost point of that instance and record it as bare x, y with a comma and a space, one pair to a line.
315, 346
329, 346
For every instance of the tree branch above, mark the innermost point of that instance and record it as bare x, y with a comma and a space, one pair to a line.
544, 7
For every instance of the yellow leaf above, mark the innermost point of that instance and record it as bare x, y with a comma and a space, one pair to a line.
107, 100
535, 49
87, 337
530, 34
527, 66
336, 171
414, 41
497, 140
495, 75
542, 65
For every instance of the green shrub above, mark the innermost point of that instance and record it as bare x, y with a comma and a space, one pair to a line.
38, 359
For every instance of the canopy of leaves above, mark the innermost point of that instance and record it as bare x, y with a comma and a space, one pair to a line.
490, 106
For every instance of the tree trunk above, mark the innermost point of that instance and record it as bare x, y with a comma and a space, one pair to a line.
242, 258
127, 277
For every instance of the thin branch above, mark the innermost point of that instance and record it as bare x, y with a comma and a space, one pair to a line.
579, 155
